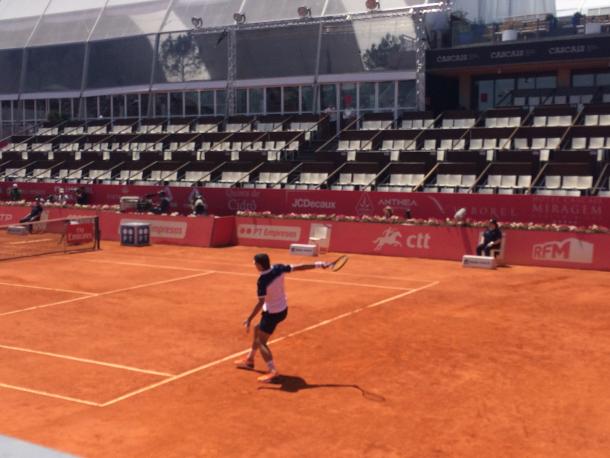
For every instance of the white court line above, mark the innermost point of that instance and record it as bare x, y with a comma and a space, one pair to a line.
218, 261
106, 293
244, 274
30, 241
85, 360
60, 290
279, 339
313, 280
50, 395
142, 264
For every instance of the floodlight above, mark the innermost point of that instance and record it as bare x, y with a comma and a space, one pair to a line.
197, 22
304, 12
372, 5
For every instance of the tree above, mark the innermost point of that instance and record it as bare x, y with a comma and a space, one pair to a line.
180, 58
387, 55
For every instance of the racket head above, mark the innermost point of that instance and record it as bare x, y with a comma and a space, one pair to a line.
339, 263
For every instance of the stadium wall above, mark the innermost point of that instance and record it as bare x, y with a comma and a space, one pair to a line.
536, 248
531, 248
580, 211
204, 231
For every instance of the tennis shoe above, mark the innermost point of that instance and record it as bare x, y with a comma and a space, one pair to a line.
268, 377
244, 364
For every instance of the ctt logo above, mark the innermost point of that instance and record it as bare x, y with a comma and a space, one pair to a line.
391, 237
568, 250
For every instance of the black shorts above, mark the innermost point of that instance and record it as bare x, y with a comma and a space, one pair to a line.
269, 321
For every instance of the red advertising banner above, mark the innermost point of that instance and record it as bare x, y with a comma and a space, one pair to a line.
581, 211
177, 230
77, 234
558, 249
537, 248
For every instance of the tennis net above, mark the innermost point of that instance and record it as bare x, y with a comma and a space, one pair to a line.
65, 235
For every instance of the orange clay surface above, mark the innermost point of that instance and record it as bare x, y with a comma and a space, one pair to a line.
128, 352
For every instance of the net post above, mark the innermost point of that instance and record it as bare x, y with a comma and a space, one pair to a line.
98, 233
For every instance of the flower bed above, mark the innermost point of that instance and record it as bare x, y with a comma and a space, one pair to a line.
434, 222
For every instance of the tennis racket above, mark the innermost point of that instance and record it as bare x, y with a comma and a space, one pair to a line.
339, 263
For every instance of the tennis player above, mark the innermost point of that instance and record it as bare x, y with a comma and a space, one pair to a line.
272, 301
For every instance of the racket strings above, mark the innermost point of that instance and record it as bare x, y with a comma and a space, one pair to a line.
340, 263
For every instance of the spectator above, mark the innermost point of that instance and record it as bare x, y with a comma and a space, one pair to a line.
15, 193
388, 212
491, 239
82, 198
164, 204
200, 208
194, 193
61, 198
331, 111
35, 213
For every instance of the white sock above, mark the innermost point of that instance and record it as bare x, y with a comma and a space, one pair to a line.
271, 366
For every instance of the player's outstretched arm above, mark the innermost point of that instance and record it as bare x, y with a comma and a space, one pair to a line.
315, 265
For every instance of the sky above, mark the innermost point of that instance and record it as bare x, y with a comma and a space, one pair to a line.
569, 7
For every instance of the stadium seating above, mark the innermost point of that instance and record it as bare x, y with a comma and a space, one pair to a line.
556, 149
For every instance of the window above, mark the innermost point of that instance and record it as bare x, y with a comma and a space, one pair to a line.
9, 81
160, 105
7, 111
526, 83
583, 80
241, 102
133, 105
348, 96
41, 110
367, 96
29, 110
175, 103
186, 57
131, 62
144, 108
328, 96
546, 82
65, 107
406, 94
307, 99
104, 106
291, 99
91, 107
274, 100
386, 95
118, 106
279, 52
255, 97
590, 79
603, 79
206, 99
54, 107
484, 90
221, 102
383, 44
503, 88
191, 104
55, 68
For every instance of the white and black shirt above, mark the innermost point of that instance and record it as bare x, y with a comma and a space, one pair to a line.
271, 286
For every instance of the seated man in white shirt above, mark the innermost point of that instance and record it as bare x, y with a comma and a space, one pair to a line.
272, 301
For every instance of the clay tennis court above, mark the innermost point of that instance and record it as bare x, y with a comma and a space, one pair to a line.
128, 352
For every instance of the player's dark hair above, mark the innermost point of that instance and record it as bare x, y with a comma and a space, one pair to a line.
262, 259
